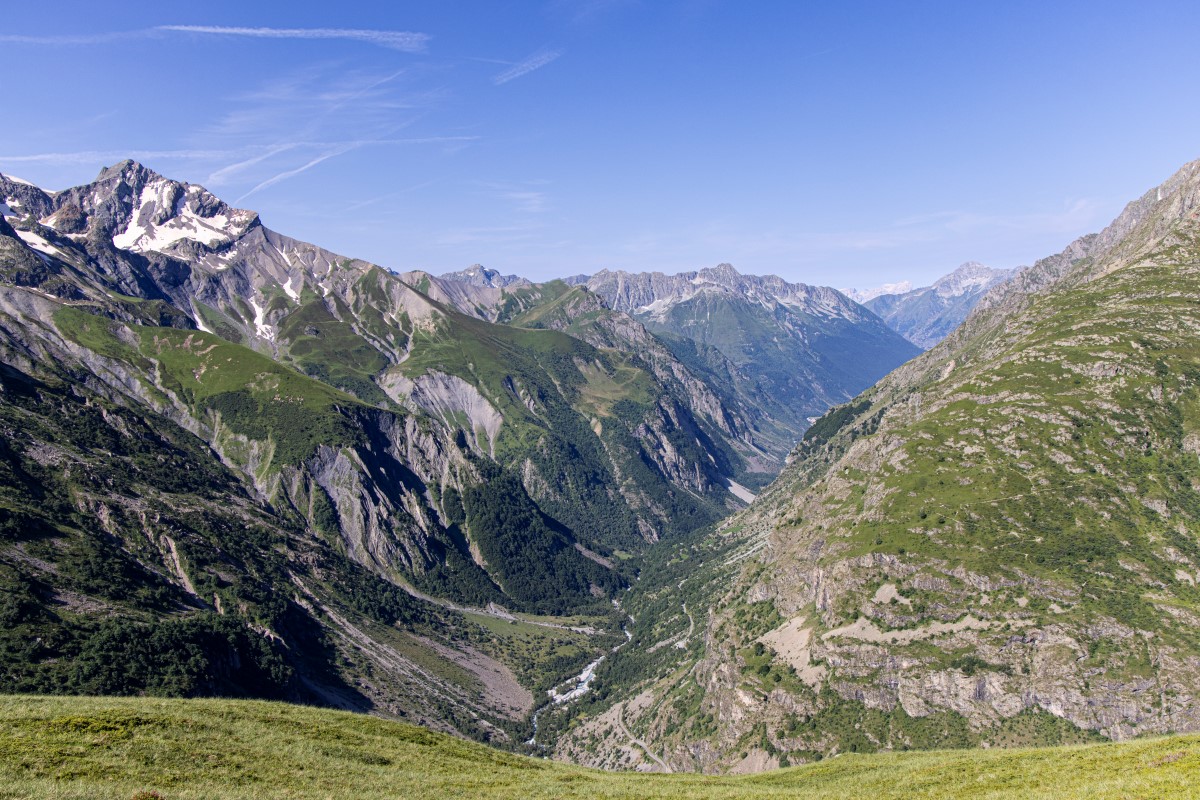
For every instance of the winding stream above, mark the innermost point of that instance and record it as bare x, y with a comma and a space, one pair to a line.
580, 685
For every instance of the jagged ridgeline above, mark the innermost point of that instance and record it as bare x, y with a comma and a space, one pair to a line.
998, 544
784, 351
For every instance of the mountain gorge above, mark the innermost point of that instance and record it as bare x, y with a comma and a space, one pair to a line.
995, 545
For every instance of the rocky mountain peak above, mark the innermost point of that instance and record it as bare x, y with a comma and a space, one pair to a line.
131, 172
134, 207
723, 273
481, 276
148, 212
970, 277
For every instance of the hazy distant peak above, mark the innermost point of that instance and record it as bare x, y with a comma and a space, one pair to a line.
969, 277
479, 275
865, 295
926, 315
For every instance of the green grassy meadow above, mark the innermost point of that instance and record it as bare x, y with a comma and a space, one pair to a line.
83, 747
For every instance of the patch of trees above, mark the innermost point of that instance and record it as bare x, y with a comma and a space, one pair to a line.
198, 655
533, 559
824, 429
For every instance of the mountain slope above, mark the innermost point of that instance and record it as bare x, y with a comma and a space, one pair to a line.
995, 544
925, 316
787, 351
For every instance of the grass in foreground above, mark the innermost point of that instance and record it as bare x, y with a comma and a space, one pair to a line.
72, 747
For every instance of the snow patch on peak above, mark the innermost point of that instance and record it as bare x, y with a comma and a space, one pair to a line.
165, 215
291, 290
656, 308
260, 324
39, 244
15, 179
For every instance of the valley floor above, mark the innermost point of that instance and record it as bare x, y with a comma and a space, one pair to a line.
80, 747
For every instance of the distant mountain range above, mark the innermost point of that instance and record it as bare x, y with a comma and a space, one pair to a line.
924, 316
479, 275
786, 351
927, 315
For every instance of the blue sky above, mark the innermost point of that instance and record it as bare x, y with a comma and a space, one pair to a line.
847, 144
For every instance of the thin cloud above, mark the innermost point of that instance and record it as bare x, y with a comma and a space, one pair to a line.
373, 200
318, 101
101, 156
490, 235
283, 176
405, 41
340, 148
527, 202
359, 94
534, 62
1075, 213
74, 39
224, 173
581, 12
248, 156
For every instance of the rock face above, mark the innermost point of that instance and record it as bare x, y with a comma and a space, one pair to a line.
392, 449
925, 316
994, 545
788, 351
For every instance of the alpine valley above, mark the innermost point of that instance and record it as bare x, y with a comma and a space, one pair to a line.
238, 464
708, 522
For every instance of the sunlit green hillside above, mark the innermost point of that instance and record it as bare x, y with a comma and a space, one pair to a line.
122, 748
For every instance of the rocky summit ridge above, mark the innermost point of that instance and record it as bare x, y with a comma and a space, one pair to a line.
479, 275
